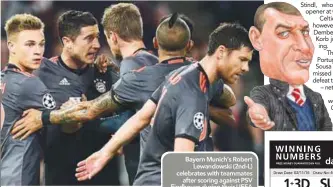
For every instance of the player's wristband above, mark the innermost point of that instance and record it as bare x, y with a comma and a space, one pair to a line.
46, 117
154, 100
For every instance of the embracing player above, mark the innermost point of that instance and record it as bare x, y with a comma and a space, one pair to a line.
20, 160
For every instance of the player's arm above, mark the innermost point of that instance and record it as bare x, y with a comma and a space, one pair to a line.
85, 111
226, 99
114, 100
183, 145
95, 163
223, 99
119, 97
32, 94
33, 120
221, 116
131, 127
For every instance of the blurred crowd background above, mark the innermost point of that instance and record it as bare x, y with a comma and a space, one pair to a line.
205, 15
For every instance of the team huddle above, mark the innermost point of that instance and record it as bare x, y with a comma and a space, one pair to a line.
52, 108
170, 93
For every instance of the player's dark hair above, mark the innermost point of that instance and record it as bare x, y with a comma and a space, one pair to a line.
185, 18
173, 34
71, 22
173, 20
233, 36
189, 23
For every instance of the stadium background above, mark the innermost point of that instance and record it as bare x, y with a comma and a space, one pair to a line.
205, 15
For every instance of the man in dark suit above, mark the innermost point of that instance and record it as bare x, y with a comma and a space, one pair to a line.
281, 35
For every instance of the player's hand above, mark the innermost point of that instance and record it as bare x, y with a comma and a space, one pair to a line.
102, 63
73, 101
70, 103
30, 122
76, 109
92, 165
258, 114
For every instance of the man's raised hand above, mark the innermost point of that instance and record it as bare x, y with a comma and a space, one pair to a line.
258, 114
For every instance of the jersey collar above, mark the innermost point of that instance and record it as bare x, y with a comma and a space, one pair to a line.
12, 66
175, 60
138, 50
76, 71
200, 68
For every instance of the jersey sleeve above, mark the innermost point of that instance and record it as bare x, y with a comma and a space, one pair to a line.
34, 94
126, 89
128, 65
155, 97
191, 117
114, 75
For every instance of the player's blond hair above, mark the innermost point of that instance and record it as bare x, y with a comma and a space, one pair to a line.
21, 22
125, 20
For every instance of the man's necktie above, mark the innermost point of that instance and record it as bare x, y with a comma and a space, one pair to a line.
297, 95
